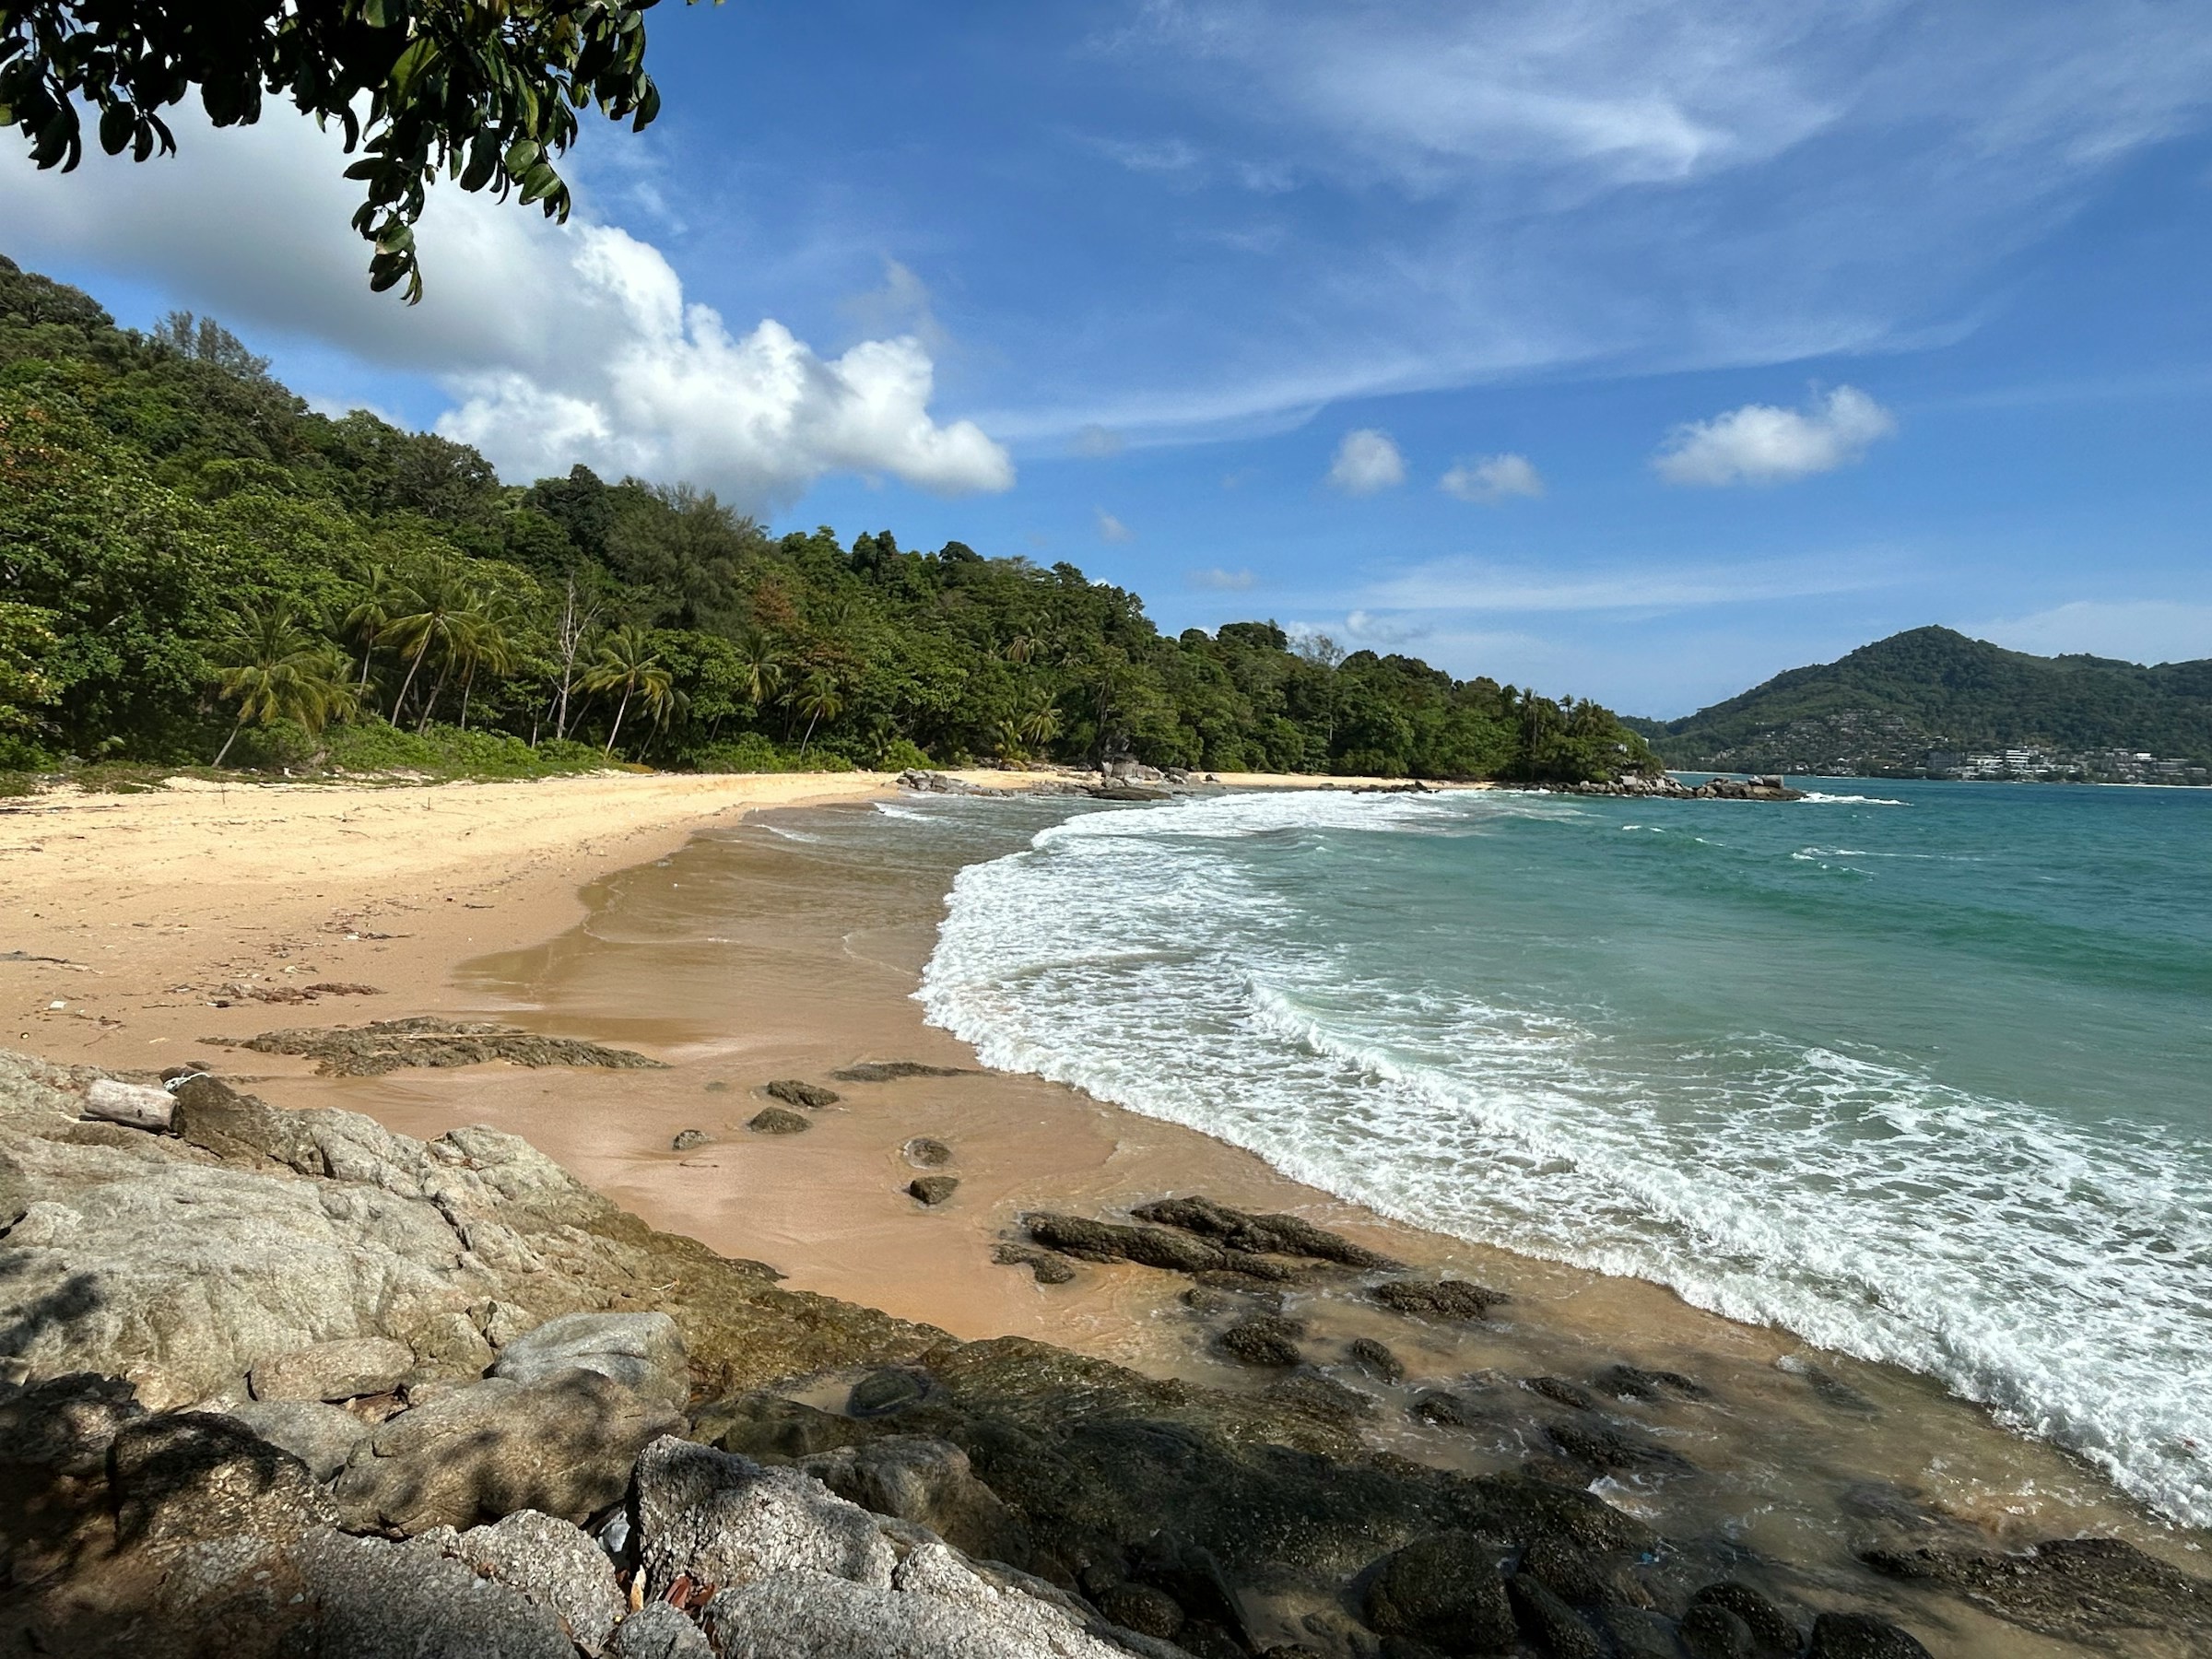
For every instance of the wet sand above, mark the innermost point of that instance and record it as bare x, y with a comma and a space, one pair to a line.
748, 956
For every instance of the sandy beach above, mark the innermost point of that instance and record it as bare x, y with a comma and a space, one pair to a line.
665, 914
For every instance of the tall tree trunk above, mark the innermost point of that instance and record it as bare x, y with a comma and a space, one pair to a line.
229, 740
437, 691
407, 685
620, 709
467, 686
809, 738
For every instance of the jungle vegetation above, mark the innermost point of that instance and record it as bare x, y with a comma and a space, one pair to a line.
195, 567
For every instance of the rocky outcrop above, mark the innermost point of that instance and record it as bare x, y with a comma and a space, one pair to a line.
388, 1045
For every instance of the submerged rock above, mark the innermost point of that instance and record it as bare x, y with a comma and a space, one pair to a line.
1438, 1298
890, 1071
689, 1139
1268, 1340
1862, 1636
2073, 1589
1110, 1242
1375, 1359
1045, 1266
1634, 1382
926, 1154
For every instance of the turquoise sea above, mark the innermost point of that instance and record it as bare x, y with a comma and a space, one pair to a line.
1920, 1071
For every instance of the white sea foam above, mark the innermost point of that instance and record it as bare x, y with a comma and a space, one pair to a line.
2063, 1277
1814, 797
893, 809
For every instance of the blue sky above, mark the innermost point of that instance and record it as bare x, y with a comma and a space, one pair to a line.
1634, 351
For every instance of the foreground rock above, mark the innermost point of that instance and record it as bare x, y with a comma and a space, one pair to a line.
1000, 1498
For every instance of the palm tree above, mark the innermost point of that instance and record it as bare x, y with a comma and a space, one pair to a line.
278, 670
431, 606
1040, 721
489, 641
819, 698
758, 671
626, 663
370, 615
1006, 737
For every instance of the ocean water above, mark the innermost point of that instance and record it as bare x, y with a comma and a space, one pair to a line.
1920, 1072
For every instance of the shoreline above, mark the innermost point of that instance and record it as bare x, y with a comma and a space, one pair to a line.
828, 965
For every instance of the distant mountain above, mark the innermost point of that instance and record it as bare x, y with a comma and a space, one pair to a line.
1933, 700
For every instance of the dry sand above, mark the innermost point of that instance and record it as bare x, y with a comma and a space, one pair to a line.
597, 907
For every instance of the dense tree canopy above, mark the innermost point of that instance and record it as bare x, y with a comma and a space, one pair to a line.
485, 92
188, 557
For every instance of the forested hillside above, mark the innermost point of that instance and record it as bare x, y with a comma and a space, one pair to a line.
1887, 703
196, 567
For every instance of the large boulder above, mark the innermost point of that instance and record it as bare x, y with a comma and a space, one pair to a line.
657, 1630
322, 1437
930, 1483
550, 1564
719, 1519
334, 1370
642, 1351
1445, 1590
373, 1598
934, 1608
563, 1444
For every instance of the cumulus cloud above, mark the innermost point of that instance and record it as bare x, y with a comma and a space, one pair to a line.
1218, 581
1492, 478
558, 344
1760, 443
1367, 460
1111, 529
666, 390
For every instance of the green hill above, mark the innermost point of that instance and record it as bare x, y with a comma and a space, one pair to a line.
1887, 705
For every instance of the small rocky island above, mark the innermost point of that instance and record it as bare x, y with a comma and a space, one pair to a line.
283, 1383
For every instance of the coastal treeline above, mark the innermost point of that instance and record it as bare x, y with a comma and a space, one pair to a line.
196, 567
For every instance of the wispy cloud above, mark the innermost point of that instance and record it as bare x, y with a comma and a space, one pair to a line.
1111, 529
1466, 584
1492, 478
1367, 460
1098, 441
1218, 581
1760, 443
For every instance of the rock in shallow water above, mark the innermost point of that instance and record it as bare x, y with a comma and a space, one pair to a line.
1438, 1298
932, 1190
687, 1140
926, 1154
1862, 1636
1268, 1340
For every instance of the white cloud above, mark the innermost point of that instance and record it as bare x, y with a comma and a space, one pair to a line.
1098, 441
1219, 580
1492, 478
2135, 630
1111, 529
1367, 460
559, 343
1760, 443
1467, 584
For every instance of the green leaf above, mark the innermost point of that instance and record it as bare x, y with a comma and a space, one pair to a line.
117, 123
